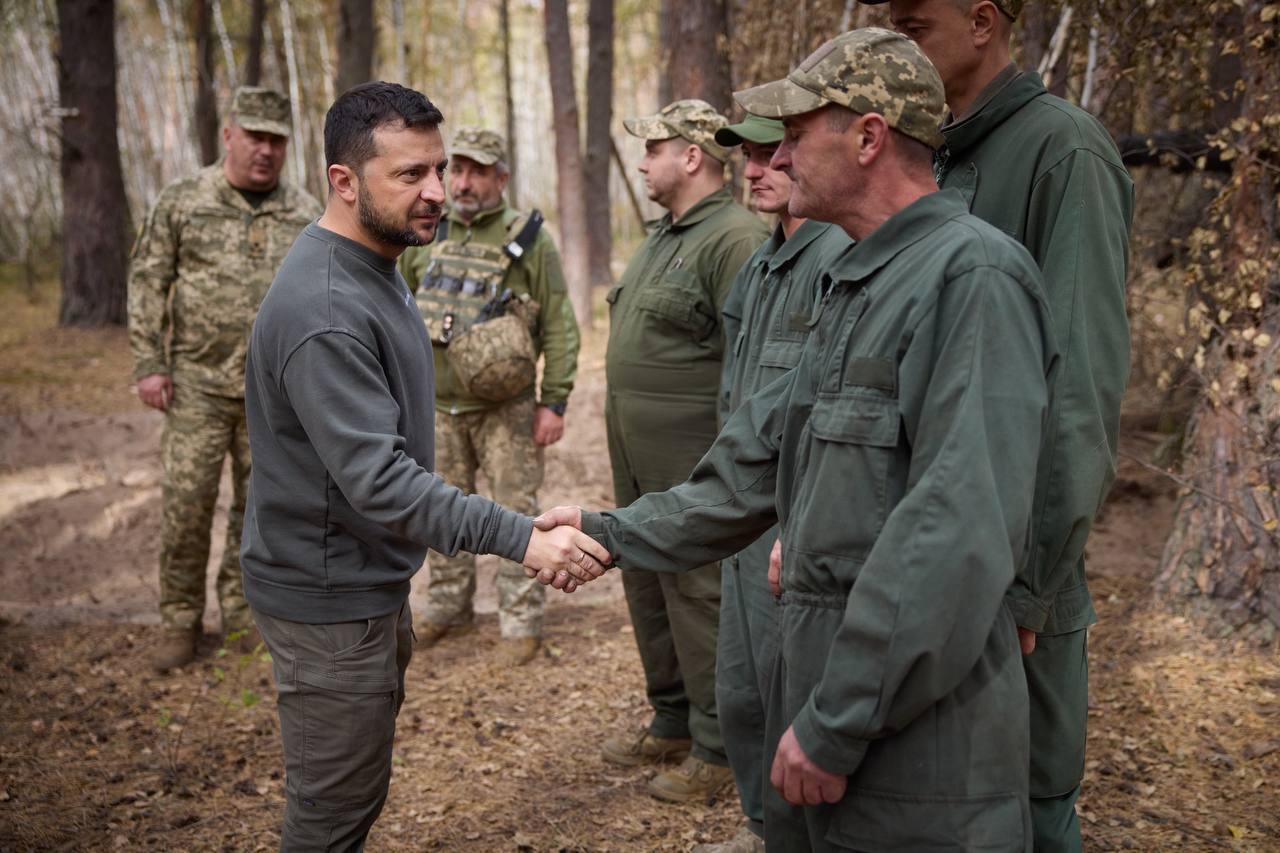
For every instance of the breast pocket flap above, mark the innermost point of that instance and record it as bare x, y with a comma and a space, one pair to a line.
857, 419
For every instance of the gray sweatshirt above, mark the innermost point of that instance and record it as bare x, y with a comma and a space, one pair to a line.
339, 398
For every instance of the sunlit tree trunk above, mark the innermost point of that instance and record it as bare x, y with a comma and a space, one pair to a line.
696, 49
569, 184
504, 22
95, 218
599, 117
1222, 560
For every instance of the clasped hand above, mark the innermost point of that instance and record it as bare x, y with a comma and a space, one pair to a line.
560, 554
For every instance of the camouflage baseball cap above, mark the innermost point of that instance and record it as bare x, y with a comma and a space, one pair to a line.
486, 147
262, 110
1009, 7
868, 70
694, 120
757, 129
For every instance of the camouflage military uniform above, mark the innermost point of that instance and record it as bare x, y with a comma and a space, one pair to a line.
199, 269
476, 433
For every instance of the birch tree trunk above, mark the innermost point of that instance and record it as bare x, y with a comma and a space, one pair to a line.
206, 105
569, 183
95, 225
1222, 560
355, 43
599, 118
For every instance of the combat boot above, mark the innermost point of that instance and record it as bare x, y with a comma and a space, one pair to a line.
692, 781
429, 633
176, 648
743, 841
518, 651
644, 748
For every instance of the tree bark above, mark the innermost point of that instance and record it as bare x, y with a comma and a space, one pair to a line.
504, 22
569, 182
599, 118
206, 105
355, 43
1222, 561
696, 50
95, 225
253, 51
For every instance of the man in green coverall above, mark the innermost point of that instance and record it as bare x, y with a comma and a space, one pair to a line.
663, 365
1047, 173
505, 438
766, 321
899, 458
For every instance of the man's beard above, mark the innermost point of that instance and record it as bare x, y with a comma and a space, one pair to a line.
470, 206
382, 228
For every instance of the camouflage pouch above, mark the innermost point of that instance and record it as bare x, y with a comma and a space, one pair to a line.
496, 359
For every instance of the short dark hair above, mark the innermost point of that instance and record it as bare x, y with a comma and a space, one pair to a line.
359, 111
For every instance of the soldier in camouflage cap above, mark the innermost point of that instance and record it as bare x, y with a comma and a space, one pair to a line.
486, 147
201, 265
869, 71
262, 110
691, 119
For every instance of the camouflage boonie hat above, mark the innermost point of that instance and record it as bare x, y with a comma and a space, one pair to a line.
1009, 7
753, 128
486, 147
868, 70
694, 120
262, 110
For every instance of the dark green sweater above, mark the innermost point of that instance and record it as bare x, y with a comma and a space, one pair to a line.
338, 392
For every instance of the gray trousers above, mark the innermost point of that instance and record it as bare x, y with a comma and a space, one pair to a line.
340, 688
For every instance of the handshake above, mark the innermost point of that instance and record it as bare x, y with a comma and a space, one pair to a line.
560, 555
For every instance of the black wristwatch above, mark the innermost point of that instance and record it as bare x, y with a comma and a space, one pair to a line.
558, 408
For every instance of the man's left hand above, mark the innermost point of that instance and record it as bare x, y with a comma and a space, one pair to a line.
548, 427
799, 780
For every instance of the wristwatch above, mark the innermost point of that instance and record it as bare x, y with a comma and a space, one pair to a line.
558, 408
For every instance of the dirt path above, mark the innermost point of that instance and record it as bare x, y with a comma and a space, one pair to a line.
99, 754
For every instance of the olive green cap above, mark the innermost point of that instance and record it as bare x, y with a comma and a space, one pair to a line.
262, 110
1009, 7
753, 128
691, 119
484, 146
868, 70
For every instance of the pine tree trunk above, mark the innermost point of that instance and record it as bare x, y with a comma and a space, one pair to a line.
596, 161
504, 24
569, 182
697, 52
355, 43
206, 105
1222, 561
95, 216
253, 51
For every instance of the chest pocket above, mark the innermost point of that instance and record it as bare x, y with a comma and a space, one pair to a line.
676, 300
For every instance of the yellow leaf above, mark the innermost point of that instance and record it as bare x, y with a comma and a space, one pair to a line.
1255, 301
1263, 340
1269, 12
1271, 524
1224, 315
1275, 385
1238, 831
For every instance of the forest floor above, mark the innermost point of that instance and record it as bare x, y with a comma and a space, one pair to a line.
98, 753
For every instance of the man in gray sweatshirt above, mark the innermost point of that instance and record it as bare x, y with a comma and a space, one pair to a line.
343, 503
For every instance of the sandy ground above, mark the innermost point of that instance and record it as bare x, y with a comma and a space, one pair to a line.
98, 753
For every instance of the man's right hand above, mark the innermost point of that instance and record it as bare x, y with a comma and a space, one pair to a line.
775, 568
156, 390
563, 557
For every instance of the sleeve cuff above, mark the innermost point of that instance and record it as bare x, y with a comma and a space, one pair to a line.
511, 534
1028, 611
831, 751
143, 369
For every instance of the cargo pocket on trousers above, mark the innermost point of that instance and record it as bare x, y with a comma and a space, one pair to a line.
866, 820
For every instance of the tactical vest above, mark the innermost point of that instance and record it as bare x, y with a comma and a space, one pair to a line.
463, 284
485, 328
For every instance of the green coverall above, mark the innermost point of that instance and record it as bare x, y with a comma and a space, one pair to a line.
663, 369
766, 321
1047, 173
899, 457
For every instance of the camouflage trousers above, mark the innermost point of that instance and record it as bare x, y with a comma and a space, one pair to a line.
498, 441
199, 431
